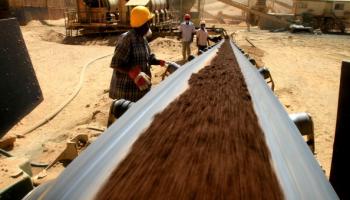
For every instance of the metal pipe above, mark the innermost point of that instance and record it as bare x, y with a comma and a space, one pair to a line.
340, 167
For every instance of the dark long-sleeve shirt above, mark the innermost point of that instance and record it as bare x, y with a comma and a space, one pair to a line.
131, 50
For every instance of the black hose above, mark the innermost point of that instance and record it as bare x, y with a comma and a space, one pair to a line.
50, 116
33, 164
5, 153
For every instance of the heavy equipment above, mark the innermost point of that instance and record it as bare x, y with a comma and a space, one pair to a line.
113, 15
298, 173
328, 16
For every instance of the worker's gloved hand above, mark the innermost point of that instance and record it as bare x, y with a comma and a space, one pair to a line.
152, 60
142, 80
162, 63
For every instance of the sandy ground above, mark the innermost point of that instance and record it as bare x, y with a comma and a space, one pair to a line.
305, 68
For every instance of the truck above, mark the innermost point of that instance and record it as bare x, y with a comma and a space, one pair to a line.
328, 15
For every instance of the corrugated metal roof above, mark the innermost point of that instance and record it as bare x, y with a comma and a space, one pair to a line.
137, 3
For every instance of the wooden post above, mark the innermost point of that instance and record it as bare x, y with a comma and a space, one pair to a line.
123, 12
248, 21
248, 16
340, 169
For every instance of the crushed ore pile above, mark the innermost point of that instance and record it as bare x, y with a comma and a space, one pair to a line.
207, 144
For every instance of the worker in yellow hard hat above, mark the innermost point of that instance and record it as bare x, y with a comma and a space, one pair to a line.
132, 58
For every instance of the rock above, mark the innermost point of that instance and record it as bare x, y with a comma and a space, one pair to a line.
105, 91
7, 142
42, 174
16, 173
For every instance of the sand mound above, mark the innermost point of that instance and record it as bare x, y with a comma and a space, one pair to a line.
53, 36
164, 43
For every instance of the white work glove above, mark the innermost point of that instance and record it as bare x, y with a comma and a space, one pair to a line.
142, 80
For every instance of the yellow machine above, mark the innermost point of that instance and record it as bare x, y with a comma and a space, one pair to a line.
113, 15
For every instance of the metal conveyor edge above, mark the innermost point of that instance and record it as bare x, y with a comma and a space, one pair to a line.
83, 177
299, 174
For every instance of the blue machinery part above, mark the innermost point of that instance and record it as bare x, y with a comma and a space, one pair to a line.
298, 172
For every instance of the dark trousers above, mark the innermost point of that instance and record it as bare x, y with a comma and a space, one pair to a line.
201, 48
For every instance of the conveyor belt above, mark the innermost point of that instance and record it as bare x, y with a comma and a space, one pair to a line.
297, 170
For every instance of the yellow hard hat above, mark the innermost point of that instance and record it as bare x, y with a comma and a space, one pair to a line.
139, 16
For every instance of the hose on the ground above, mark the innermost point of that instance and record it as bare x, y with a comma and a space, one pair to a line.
34, 164
5, 153
64, 104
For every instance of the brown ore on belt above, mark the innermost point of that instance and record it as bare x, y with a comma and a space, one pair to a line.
207, 144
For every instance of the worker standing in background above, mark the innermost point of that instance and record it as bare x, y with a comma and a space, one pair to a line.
187, 30
132, 58
202, 37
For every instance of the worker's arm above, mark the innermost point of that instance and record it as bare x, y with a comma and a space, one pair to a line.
208, 39
193, 32
121, 57
152, 60
197, 36
180, 32
179, 37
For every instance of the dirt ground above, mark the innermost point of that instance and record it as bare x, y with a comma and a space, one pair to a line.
305, 68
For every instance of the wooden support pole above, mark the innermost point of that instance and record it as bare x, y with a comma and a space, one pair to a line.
340, 169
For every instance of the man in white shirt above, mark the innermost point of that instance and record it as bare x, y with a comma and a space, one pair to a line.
202, 37
187, 30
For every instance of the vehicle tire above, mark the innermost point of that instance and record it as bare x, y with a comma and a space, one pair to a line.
328, 25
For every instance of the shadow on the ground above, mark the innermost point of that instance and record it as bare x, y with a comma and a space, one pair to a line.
44, 22
91, 40
96, 39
